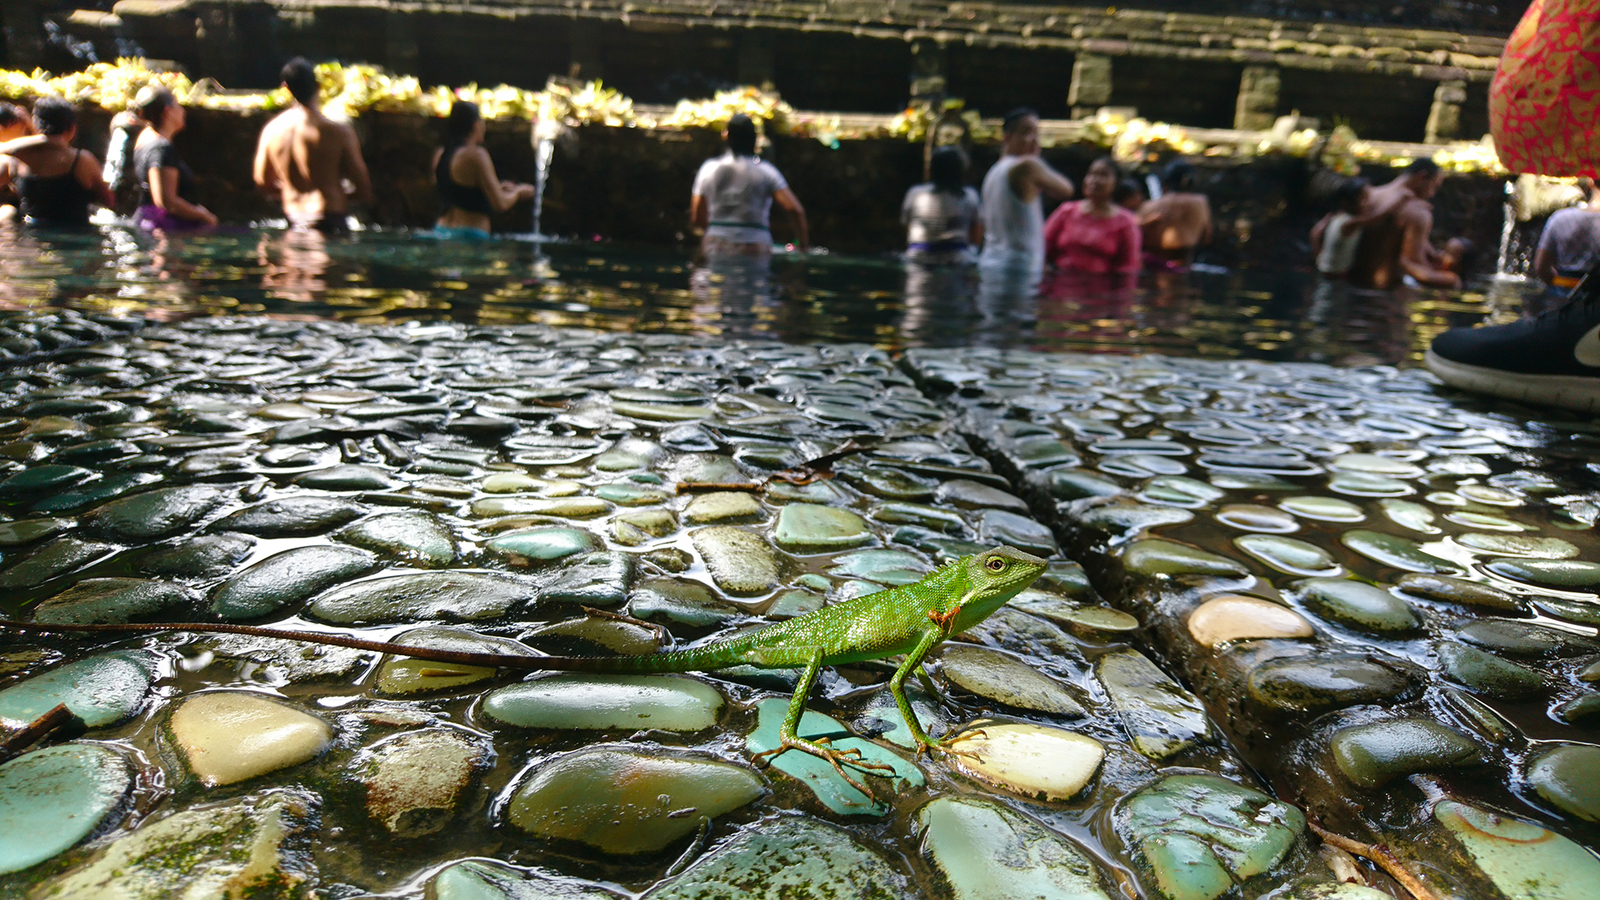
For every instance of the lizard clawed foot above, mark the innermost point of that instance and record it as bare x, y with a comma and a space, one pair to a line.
943, 745
822, 749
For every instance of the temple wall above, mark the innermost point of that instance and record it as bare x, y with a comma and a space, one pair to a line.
1381, 67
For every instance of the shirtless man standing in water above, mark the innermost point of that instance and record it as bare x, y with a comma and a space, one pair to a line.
1397, 246
1175, 223
305, 158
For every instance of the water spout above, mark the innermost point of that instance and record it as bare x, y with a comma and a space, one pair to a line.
1504, 260
116, 165
544, 149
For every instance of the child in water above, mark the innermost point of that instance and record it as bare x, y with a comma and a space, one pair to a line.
1341, 229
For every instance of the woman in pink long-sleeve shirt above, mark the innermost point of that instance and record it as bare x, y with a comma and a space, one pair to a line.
1094, 235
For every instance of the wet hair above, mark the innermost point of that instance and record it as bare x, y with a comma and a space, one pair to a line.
152, 102
1178, 176
458, 125
53, 115
1349, 191
1466, 255
1015, 118
947, 169
1116, 170
1423, 166
12, 114
301, 80
742, 135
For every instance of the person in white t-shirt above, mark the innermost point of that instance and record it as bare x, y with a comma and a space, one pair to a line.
941, 215
731, 203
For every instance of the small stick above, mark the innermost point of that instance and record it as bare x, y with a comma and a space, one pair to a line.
685, 487
1379, 854
455, 657
35, 731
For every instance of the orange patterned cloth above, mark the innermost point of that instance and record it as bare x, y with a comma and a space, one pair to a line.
1544, 101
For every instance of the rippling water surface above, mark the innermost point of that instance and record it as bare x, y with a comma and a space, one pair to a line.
391, 276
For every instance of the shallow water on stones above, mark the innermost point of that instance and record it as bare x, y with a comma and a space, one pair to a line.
510, 478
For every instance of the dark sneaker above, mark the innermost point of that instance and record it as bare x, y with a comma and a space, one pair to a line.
1551, 360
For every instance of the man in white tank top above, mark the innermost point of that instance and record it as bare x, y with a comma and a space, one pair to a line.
1013, 217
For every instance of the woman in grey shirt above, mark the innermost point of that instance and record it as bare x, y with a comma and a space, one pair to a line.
941, 215
733, 194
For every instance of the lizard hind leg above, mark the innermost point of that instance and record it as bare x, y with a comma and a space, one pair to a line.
790, 739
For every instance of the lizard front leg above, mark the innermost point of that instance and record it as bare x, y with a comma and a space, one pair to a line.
897, 687
790, 739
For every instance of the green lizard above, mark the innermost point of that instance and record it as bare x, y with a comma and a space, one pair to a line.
908, 621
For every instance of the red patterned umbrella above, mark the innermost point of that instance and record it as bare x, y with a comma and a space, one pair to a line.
1544, 101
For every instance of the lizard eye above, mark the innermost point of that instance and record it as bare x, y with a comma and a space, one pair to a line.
995, 564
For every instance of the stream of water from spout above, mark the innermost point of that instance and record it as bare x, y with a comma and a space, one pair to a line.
1500, 273
544, 148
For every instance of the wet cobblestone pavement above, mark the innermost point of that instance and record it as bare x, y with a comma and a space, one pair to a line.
1306, 596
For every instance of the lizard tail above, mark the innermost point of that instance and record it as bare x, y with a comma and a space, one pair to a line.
671, 661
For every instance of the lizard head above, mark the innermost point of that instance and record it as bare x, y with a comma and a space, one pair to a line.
992, 578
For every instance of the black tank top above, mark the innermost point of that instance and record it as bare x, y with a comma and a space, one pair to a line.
457, 196
55, 201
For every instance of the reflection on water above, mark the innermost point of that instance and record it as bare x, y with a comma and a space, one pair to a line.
389, 276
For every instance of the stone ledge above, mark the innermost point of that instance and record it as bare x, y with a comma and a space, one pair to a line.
1318, 46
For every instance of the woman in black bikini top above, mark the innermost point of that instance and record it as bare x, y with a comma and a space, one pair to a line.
56, 182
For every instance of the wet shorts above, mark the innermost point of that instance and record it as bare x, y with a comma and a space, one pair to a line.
460, 234
154, 218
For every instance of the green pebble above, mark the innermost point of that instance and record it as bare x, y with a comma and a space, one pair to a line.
606, 702
1458, 590
1357, 604
1396, 552
1487, 673
1523, 860
1569, 777
809, 528
1565, 574
1159, 557
1373, 755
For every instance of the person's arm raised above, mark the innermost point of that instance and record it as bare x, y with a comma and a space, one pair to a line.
1384, 209
1048, 180
502, 195
17, 145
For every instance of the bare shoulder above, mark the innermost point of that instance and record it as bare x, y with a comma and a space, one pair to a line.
282, 120
1415, 212
346, 131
